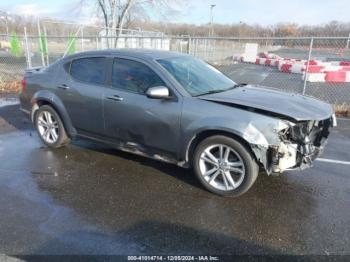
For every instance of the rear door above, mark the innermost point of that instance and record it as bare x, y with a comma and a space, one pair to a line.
81, 92
132, 117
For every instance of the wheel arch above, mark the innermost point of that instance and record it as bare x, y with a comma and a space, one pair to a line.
50, 99
200, 136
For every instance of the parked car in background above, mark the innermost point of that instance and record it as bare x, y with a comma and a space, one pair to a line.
178, 109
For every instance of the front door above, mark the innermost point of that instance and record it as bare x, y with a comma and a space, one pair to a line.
132, 117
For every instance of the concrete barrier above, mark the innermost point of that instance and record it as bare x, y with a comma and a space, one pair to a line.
317, 71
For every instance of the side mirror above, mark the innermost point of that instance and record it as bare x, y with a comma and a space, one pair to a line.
158, 92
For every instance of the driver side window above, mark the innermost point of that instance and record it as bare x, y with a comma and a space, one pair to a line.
134, 76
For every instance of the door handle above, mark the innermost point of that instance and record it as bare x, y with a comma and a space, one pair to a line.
115, 98
63, 86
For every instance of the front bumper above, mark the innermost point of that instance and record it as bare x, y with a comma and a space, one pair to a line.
292, 157
302, 147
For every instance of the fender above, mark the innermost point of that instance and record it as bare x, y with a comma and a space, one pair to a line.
52, 99
245, 131
189, 140
204, 125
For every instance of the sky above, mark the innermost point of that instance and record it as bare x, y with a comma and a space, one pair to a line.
263, 12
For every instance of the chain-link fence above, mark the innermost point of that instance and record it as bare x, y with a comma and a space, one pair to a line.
318, 67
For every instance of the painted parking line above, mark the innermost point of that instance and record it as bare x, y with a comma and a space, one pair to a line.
343, 119
333, 161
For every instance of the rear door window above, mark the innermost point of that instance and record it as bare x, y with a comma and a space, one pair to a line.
89, 70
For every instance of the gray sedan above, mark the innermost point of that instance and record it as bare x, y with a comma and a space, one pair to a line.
176, 108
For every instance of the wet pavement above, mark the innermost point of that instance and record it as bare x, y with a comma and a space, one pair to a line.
87, 198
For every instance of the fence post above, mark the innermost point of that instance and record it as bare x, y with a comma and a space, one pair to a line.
46, 47
189, 45
348, 42
29, 61
71, 42
307, 64
82, 38
40, 44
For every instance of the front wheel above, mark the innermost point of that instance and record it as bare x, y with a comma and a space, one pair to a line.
50, 127
224, 166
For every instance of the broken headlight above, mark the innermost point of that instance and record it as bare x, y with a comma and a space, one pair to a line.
283, 129
283, 124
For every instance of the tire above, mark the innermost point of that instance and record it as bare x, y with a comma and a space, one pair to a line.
54, 140
231, 177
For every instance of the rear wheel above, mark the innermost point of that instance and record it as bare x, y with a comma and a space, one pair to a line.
50, 127
224, 166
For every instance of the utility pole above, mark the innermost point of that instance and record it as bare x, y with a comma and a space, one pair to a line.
211, 19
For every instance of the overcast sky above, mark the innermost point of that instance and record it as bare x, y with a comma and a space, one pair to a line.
197, 11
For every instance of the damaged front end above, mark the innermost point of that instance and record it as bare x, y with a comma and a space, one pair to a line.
300, 144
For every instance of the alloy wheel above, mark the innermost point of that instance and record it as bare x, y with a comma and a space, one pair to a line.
222, 167
48, 127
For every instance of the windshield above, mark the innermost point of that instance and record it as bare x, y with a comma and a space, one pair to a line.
196, 76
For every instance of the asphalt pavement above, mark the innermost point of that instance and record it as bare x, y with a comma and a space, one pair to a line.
88, 199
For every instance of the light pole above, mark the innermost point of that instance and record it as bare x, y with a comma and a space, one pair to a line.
239, 29
211, 19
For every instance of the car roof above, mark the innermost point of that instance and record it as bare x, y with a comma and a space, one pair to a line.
146, 54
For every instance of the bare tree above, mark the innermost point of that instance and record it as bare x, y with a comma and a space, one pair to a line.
137, 15
116, 13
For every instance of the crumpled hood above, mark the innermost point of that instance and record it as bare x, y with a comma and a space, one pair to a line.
297, 107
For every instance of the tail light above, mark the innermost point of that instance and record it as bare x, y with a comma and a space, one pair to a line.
24, 85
